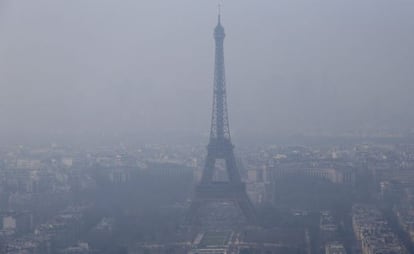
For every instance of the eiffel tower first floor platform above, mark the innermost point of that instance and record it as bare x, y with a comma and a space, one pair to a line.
229, 192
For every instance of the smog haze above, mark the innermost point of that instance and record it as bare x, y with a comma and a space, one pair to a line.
147, 66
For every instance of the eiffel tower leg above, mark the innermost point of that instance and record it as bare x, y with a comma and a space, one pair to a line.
247, 209
208, 169
231, 166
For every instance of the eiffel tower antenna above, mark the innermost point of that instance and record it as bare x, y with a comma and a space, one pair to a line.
219, 8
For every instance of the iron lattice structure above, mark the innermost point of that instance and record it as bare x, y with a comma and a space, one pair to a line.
221, 147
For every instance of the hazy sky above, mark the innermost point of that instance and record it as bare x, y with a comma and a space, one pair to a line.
137, 66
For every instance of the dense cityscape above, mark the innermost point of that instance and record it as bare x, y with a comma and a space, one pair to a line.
123, 199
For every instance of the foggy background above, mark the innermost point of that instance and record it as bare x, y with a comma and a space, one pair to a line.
144, 67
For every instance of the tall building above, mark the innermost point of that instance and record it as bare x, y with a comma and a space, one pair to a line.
220, 147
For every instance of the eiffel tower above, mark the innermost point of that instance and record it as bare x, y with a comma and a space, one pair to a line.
220, 147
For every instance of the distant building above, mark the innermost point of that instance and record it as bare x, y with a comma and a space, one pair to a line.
332, 174
9, 223
373, 232
13, 222
212, 243
80, 248
335, 248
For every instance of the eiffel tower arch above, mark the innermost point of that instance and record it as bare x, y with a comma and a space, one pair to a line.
220, 147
